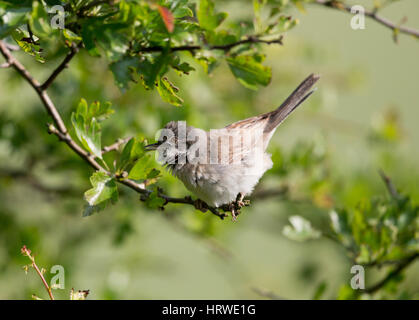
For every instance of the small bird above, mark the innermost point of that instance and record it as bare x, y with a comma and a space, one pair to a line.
222, 166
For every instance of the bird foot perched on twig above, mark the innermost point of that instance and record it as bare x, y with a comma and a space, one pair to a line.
235, 206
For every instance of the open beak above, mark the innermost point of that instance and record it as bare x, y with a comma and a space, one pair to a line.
152, 147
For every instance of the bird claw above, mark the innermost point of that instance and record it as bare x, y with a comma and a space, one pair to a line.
235, 206
234, 212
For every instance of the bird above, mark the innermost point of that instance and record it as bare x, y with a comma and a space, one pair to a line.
222, 166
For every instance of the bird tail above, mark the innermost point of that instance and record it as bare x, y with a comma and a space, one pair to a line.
302, 92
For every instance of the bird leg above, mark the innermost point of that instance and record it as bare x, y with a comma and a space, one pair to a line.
234, 212
240, 202
235, 206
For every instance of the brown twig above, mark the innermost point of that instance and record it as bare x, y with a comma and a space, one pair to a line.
63, 65
115, 146
389, 184
371, 14
225, 47
26, 252
400, 267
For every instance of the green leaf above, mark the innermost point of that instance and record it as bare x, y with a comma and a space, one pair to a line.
152, 67
207, 17
124, 70
300, 6
71, 36
249, 71
88, 36
300, 229
39, 21
88, 134
126, 153
27, 45
154, 201
347, 293
321, 288
168, 91
86, 124
133, 150
364, 255
13, 18
104, 191
142, 168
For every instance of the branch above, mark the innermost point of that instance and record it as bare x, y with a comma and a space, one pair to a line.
73, 50
26, 252
371, 14
225, 47
389, 184
115, 146
403, 265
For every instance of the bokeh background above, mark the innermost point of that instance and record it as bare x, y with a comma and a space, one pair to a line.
363, 117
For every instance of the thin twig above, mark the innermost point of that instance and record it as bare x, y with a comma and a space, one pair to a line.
389, 184
26, 252
115, 146
64, 64
371, 14
403, 265
225, 47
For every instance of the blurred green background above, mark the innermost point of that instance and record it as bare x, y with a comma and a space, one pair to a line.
362, 117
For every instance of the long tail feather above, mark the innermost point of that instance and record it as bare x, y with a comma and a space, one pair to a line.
302, 92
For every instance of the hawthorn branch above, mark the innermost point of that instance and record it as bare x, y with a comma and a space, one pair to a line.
115, 146
400, 267
334, 4
63, 65
225, 47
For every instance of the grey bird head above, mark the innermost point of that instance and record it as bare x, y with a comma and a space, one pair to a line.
173, 143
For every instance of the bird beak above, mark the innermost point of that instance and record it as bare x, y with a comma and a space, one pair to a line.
152, 147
